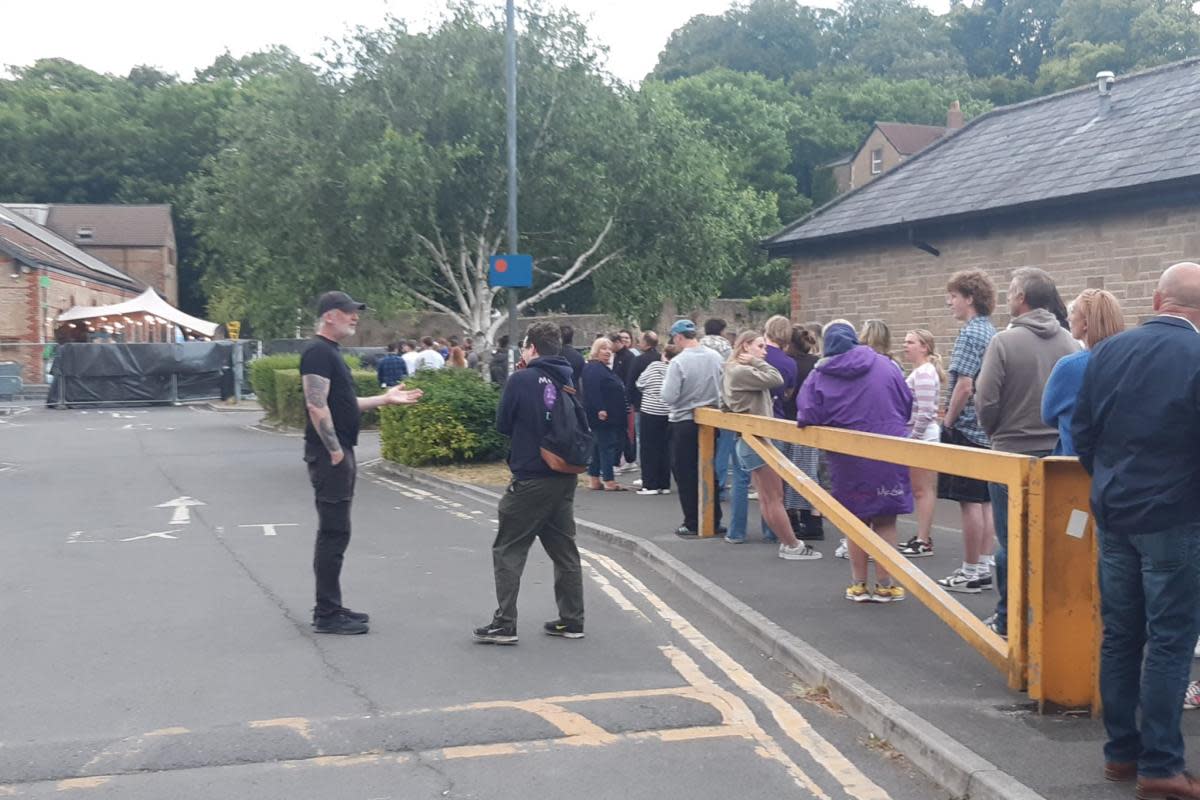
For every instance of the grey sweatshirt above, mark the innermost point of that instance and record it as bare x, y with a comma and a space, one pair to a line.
1008, 391
693, 381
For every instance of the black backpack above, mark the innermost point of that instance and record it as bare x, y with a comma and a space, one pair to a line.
567, 444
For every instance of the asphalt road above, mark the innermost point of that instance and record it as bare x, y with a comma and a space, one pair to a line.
156, 596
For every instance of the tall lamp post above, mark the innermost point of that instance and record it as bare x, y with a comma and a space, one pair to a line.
510, 47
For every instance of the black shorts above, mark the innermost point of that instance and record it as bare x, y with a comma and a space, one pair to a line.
956, 487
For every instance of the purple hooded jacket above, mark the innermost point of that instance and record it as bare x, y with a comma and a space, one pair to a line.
860, 390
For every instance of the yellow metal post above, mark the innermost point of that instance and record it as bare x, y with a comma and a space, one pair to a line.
708, 481
1064, 600
1023, 514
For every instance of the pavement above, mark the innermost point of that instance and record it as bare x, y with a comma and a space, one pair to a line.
156, 601
887, 662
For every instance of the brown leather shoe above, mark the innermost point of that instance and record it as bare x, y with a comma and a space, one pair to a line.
1178, 787
1120, 771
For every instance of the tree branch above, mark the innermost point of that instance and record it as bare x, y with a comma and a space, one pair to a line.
562, 284
445, 309
439, 258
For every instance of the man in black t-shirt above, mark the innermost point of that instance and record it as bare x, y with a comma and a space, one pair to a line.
330, 436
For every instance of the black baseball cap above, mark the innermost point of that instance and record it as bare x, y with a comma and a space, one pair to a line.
338, 300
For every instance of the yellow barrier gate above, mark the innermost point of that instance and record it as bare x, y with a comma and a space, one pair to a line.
1053, 606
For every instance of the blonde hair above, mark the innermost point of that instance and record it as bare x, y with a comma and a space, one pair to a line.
935, 357
741, 342
1102, 313
876, 335
778, 330
597, 345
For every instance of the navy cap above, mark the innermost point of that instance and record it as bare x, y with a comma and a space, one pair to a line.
338, 300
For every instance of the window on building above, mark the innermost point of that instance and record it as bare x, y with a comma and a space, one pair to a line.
85, 233
877, 161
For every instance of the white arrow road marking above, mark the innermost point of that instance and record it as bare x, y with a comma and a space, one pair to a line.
269, 527
155, 535
74, 539
182, 515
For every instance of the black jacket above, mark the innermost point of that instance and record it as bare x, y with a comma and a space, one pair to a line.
603, 391
528, 396
1137, 429
622, 363
575, 359
639, 366
498, 367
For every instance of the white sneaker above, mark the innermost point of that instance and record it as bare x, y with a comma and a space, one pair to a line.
647, 492
638, 483
752, 495
664, 491
797, 552
843, 550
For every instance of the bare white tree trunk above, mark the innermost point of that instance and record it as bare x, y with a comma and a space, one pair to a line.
464, 276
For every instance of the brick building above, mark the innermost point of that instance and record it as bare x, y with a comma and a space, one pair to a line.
41, 275
886, 146
139, 240
1099, 186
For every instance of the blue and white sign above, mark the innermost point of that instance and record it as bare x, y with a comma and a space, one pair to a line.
510, 269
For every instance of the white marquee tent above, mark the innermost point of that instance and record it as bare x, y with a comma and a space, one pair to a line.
147, 305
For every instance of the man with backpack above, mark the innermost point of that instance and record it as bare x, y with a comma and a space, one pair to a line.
549, 445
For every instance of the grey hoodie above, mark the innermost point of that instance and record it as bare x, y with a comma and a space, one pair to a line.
1008, 391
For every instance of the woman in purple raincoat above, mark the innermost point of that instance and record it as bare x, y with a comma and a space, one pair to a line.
854, 387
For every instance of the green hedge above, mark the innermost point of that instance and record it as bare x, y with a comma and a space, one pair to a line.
262, 378
454, 422
289, 393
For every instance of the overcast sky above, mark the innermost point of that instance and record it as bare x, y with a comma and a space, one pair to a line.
182, 36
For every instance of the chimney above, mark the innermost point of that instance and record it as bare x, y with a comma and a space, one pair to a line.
954, 117
1104, 85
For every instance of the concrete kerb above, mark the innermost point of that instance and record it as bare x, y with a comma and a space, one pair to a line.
953, 766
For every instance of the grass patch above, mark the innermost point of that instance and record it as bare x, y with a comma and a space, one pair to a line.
490, 473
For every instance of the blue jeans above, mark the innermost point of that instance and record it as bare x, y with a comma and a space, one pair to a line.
739, 503
999, 494
724, 457
1149, 590
607, 442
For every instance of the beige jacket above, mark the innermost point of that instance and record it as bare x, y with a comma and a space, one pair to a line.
746, 388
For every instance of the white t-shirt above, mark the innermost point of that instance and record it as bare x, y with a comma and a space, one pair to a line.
430, 359
410, 360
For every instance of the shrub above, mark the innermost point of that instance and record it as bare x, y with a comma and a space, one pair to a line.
293, 411
455, 420
262, 378
777, 303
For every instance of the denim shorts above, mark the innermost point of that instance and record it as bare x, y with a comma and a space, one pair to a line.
747, 457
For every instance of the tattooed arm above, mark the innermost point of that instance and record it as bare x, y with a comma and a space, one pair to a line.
316, 397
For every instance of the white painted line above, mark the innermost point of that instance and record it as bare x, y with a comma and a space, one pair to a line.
613, 592
183, 514
791, 721
155, 535
269, 527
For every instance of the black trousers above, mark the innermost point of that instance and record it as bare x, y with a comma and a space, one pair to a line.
541, 508
685, 464
656, 457
333, 487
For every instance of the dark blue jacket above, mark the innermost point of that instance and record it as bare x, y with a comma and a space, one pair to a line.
529, 394
603, 391
1137, 428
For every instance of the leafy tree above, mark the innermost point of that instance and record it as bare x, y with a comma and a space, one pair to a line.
896, 38
771, 37
1003, 38
384, 173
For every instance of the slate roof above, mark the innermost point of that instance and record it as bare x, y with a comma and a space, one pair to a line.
31, 244
908, 138
1051, 150
115, 225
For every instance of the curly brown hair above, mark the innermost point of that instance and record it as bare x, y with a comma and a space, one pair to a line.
975, 284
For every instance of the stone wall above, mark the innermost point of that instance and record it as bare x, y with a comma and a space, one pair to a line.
1120, 249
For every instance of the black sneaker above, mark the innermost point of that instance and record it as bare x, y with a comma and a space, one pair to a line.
984, 581
337, 622
496, 634
915, 548
357, 616
684, 532
567, 630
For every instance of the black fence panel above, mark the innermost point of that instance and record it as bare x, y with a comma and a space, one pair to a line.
114, 374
